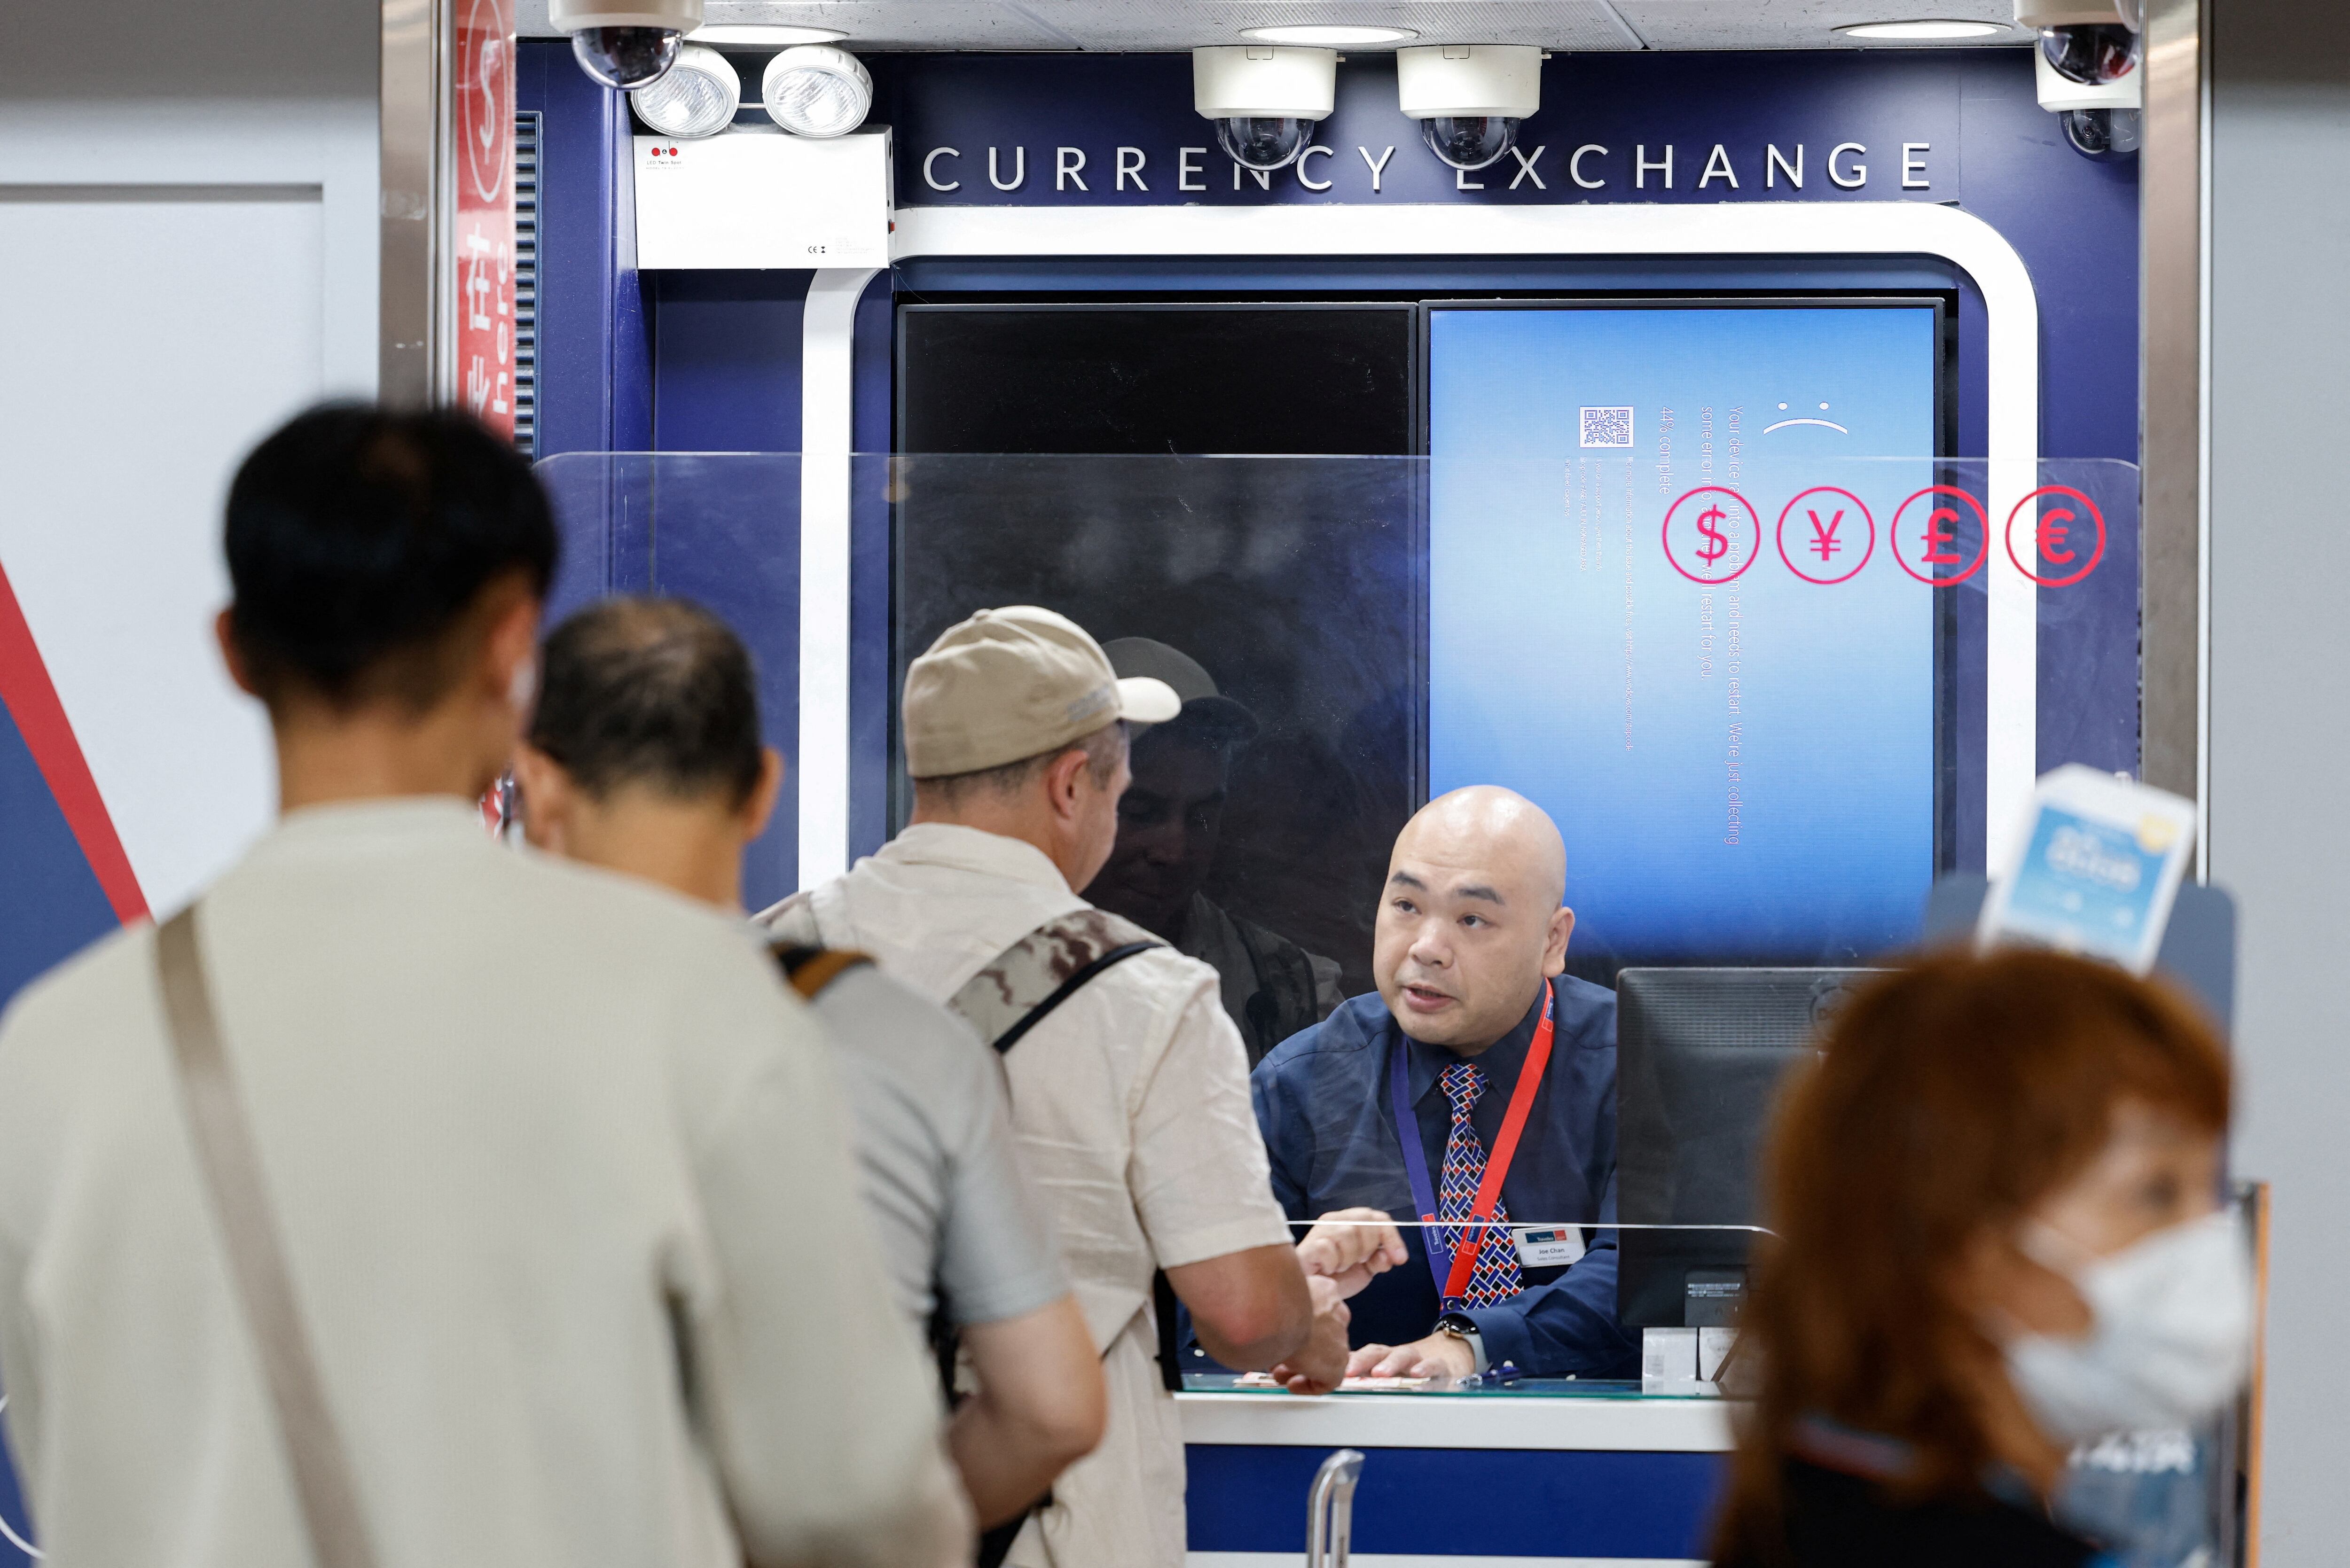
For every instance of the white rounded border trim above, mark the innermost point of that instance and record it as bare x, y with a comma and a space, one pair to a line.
1424, 1421
1777, 229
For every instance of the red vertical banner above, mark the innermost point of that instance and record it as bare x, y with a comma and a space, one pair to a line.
483, 131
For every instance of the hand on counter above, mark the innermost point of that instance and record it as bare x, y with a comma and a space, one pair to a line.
1349, 1246
1321, 1367
1438, 1355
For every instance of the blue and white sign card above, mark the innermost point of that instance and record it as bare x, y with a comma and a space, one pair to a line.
2098, 870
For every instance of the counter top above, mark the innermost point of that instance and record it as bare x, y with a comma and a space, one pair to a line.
1552, 1414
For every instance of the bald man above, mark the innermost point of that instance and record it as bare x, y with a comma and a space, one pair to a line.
1470, 952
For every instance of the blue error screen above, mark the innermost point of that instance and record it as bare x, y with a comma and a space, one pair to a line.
1662, 603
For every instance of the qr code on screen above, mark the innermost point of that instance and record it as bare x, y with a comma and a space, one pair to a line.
1608, 427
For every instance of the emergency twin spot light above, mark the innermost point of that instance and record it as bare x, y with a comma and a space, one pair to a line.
816, 90
1470, 99
697, 98
1265, 98
626, 44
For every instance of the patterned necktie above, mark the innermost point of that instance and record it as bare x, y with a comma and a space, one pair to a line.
1496, 1276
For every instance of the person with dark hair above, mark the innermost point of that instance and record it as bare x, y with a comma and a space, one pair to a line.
644, 756
643, 753
1169, 823
405, 1195
1996, 1234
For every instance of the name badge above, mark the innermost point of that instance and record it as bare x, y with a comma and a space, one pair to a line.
1546, 1246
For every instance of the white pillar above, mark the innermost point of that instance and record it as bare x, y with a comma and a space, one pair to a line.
827, 409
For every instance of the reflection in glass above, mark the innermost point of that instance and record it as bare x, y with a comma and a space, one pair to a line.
1169, 823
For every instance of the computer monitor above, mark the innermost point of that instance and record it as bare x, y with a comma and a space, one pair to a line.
1699, 1054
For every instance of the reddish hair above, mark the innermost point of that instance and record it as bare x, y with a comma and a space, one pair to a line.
1953, 1094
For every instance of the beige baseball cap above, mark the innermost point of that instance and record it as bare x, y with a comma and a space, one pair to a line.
1016, 682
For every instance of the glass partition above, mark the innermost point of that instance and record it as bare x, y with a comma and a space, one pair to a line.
1767, 698
1767, 695
721, 529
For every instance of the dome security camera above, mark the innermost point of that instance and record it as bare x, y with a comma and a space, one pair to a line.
1470, 99
626, 44
2100, 120
2090, 43
1265, 98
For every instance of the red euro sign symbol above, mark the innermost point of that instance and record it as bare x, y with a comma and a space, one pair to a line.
2050, 530
1941, 529
2050, 535
1824, 534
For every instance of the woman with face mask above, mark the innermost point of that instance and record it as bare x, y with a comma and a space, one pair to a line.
1996, 1200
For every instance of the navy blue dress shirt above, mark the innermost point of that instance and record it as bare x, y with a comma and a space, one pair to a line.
1323, 1103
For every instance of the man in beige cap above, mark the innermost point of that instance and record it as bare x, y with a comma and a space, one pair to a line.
1129, 1089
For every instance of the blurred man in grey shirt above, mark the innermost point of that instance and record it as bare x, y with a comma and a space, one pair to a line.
643, 756
557, 1165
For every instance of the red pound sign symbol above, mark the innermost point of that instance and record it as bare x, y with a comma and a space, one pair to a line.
1941, 529
2050, 535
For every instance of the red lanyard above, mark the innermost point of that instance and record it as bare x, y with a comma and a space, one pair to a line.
1505, 1148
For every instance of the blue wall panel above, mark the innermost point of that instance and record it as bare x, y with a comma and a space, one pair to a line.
726, 361
1463, 1502
53, 906
594, 350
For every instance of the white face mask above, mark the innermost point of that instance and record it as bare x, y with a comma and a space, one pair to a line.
2170, 1342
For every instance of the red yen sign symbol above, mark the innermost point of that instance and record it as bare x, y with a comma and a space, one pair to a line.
1828, 540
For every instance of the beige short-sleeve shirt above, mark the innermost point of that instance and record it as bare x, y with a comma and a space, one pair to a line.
541, 1142
1132, 1109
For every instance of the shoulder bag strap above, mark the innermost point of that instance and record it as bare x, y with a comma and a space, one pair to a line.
1008, 983
1019, 988
323, 1482
1068, 988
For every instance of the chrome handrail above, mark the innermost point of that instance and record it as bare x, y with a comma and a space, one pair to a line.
1330, 1510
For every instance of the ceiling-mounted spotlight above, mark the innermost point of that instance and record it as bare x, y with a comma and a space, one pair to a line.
625, 44
1470, 99
697, 98
1330, 35
816, 89
2090, 42
2101, 120
761, 35
1923, 31
1265, 98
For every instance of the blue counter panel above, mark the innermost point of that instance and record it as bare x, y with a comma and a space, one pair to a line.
1474, 1502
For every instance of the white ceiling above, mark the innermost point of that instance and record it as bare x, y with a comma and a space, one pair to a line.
1119, 26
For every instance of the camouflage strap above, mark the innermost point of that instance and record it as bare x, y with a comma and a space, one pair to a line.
1019, 988
1016, 989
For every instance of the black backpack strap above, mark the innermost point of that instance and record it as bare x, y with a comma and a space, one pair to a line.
810, 970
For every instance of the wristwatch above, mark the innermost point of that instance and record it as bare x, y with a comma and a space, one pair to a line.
1458, 1325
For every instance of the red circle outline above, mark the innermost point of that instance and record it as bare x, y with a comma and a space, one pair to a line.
1665, 535
1779, 534
1982, 551
2007, 535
